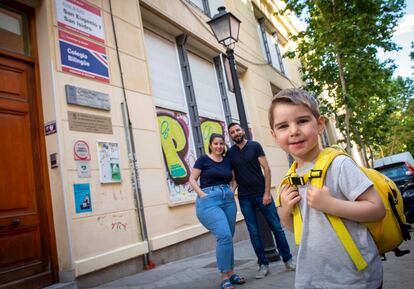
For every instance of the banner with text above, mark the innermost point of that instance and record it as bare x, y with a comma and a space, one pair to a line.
80, 17
82, 57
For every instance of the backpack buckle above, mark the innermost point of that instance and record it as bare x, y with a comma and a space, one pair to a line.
315, 174
296, 181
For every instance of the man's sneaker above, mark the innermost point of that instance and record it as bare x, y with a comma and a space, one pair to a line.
290, 265
263, 271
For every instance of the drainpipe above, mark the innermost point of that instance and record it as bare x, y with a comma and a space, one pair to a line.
148, 264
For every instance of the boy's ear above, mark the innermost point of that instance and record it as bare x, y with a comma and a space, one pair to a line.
273, 133
321, 124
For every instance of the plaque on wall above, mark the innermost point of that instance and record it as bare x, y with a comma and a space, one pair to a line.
86, 97
89, 122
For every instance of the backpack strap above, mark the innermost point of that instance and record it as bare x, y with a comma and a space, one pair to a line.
317, 177
292, 179
403, 227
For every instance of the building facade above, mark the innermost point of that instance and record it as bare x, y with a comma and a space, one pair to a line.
104, 107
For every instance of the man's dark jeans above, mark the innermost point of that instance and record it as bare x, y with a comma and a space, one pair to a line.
248, 209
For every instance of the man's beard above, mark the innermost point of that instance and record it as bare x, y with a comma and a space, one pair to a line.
239, 140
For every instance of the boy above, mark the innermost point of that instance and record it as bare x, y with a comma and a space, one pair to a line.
322, 261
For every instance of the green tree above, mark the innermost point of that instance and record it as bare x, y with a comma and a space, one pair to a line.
399, 136
388, 126
338, 52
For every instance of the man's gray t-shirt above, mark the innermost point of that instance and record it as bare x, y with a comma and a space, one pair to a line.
322, 261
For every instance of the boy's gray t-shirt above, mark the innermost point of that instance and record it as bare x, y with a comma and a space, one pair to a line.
322, 261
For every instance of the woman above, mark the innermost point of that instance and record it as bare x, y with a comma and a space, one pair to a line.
215, 205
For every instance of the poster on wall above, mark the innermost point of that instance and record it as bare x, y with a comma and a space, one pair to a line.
80, 17
210, 126
108, 160
82, 57
179, 154
83, 202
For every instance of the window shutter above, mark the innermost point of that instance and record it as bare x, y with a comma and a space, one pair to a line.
206, 89
165, 72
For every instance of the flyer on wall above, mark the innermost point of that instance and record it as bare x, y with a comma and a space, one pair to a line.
109, 163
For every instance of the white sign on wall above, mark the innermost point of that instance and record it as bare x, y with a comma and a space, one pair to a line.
80, 17
81, 151
108, 160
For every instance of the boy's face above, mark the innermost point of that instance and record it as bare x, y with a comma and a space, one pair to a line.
296, 130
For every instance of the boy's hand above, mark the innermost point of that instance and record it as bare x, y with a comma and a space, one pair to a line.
319, 199
289, 197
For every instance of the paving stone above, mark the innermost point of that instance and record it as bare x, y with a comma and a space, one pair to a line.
201, 272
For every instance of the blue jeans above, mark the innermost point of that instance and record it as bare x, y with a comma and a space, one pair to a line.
248, 209
217, 212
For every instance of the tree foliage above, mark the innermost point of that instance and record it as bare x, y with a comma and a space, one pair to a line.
398, 136
338, 51
412, 53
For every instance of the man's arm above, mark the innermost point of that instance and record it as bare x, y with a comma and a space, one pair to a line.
267, 197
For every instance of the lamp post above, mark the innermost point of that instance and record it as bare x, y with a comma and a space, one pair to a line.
225, 27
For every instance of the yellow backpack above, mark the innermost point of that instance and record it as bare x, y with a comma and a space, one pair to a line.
387, 233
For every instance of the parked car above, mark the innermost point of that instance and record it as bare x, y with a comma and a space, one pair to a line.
402, 173
400, 157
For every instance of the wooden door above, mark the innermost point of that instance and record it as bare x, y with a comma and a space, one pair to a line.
25, 245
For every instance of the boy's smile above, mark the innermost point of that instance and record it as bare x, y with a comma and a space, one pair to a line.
296, 130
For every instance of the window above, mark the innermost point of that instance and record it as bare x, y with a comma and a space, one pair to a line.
172, 116
230, 92
214, 5
165, 72
14, 32
209, 102
209, 7
189, 104
205, 87
270, 46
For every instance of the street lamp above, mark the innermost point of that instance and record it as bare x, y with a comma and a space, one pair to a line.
226, 27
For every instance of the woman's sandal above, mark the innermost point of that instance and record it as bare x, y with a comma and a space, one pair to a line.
236, 279
225, 284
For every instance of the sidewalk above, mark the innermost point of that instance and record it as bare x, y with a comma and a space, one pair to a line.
200, 272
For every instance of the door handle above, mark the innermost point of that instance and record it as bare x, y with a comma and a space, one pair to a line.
15, 222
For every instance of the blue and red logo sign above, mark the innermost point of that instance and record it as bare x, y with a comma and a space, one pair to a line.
82, 57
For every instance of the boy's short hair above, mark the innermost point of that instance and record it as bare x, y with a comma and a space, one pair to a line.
294, 96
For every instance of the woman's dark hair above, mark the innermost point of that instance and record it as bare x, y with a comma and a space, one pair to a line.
212, 137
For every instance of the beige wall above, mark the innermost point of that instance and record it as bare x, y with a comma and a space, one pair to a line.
259, 76
89, 241
110, 233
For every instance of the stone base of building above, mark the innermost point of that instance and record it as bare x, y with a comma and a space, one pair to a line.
188, 248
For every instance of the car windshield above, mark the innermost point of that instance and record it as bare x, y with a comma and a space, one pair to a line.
395, 172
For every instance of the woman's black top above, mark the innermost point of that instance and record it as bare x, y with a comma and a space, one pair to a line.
214, 173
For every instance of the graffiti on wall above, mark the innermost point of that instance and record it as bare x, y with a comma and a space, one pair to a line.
208, 127
178, 151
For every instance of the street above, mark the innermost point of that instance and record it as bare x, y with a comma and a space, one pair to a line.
200, 272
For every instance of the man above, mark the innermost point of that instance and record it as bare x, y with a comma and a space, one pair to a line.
248, 159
